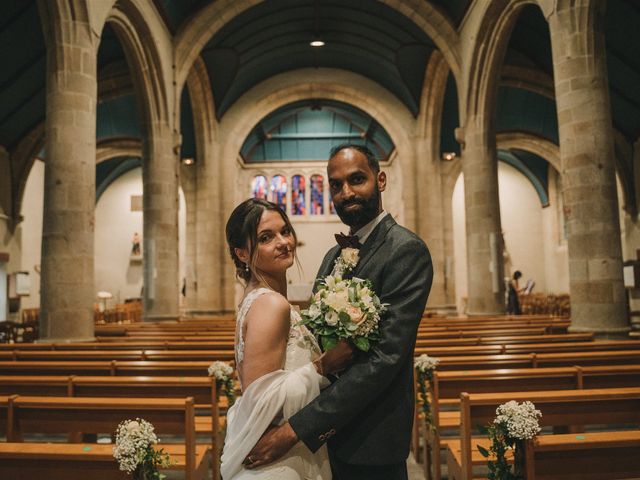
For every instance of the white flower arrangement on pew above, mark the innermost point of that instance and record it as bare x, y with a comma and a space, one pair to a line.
514, 423
425, 366
223, 374
344, 310
136, 453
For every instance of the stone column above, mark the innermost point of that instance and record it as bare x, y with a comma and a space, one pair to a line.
67, 279
429, 216
588, 171
484, 233
448, 184
160, 237
188, 183
211, 246
227, 184
208, 232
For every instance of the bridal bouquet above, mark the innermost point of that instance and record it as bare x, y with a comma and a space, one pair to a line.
344, 310
135, 452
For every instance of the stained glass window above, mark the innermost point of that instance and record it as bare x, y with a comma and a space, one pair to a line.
298, 203
317, 195
259, 187
279, 191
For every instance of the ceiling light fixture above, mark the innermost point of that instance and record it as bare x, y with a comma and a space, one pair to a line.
316, 41
188, 161
448, 156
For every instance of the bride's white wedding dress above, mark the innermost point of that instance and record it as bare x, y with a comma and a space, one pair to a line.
272, 399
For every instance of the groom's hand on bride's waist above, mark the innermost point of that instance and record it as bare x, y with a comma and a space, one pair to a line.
273, 444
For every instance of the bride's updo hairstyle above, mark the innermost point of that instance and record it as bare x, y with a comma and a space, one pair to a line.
242, 232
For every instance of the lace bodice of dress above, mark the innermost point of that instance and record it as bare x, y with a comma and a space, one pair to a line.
302, 346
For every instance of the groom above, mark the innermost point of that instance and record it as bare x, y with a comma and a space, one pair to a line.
366, 415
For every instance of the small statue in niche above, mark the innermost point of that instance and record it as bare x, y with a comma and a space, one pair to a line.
135, 244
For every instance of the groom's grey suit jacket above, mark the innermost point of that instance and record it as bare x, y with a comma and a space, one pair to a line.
366, 415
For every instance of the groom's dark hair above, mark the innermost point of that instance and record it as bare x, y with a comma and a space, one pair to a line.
374, 165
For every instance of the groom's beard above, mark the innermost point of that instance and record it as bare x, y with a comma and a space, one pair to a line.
367, 211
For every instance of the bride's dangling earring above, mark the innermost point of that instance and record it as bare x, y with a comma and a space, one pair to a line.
246, 267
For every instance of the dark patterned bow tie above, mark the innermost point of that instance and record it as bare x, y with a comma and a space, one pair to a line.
348, 241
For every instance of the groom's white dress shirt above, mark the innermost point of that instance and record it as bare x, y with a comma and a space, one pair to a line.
365, 231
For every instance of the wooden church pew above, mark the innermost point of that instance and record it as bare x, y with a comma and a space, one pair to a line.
203, 389
120, 355
565, 408
190, 363
559, 359
51, 415
594, 456
447, 386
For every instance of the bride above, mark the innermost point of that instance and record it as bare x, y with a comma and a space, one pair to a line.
279, 363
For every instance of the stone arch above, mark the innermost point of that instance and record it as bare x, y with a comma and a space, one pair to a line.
528, 79
317, 83
432, 97
63, 18
202, 103
486, 57
522, 140
328, 84
623, 159
118, 147
148, 50
194, 35
526, 141
144, 39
